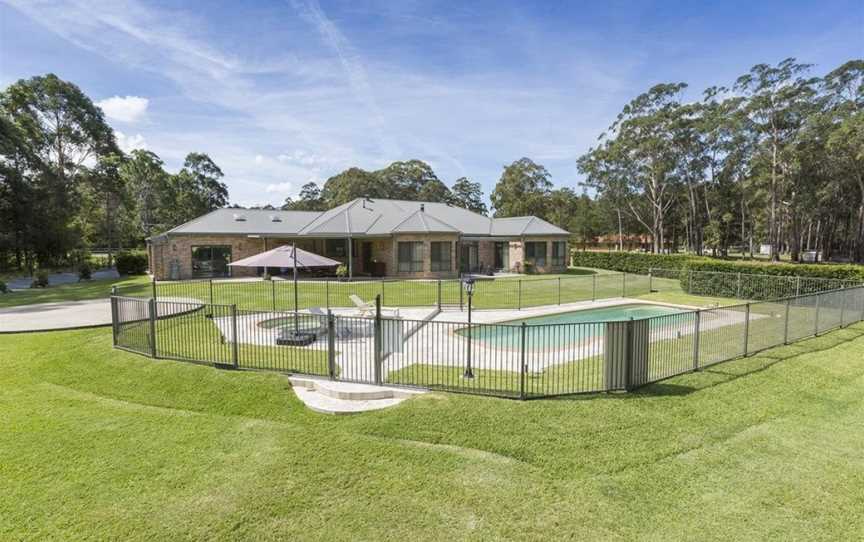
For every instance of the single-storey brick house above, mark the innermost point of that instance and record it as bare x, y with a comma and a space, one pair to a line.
373, 237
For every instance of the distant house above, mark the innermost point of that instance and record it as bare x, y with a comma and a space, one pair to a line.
372, 237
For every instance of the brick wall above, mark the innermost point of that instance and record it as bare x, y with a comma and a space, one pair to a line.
178, 249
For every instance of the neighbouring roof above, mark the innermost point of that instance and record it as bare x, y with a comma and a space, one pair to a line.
366, 217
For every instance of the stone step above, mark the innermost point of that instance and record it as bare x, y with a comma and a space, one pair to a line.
328, 405
335, 397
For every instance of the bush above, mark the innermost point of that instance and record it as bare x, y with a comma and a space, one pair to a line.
3, 288
342, 271
40, 280
630, 262
529, 268
85, 272
825, 271
132, 262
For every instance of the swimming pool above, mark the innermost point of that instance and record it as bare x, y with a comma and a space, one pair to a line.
509, 334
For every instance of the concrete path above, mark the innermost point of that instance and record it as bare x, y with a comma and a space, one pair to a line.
60, 315
54, 279
71, 314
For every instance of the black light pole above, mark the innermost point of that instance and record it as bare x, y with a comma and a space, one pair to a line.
469, 289
294, 254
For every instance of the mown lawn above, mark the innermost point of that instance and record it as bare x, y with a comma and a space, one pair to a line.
88, 289
102, 444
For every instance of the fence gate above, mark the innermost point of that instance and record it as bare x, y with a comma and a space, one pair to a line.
131, 324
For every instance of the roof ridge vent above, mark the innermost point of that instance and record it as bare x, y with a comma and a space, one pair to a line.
238, 217
275, 218
422, 207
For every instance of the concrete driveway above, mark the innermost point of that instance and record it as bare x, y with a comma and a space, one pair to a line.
60, 315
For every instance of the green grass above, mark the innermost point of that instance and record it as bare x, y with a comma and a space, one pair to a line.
504, 293
101, 444
89, 289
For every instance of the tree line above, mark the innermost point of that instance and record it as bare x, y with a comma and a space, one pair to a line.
65, 186
775, 158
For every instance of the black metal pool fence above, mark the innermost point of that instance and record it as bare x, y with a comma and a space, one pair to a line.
517, 361
278, 294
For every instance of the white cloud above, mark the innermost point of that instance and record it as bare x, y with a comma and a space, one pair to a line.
131, 142
259, 159
124, 109
279, 188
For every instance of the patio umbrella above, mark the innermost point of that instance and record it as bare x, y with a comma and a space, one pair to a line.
289, 257
286, 257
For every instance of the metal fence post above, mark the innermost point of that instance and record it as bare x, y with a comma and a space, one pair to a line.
520, 294
816, 319
114, 318
210, 308
593, 287
523, 367
439, 294
327, 294
273, 292
151, 305
650, 279
738, 287
798, 286
377, 340
861, 291
382, 291
331, 345
843, 306
624, 284
559, 290
690, 281
746, 327
235, 352
628, 353
153, 287
696, 326
461, 294
786, 323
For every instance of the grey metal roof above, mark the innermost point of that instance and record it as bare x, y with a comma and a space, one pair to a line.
247, 221
367, 217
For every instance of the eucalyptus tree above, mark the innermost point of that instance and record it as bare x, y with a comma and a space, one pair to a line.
468, 195
778, 100
522, 190
65, 132
148, 182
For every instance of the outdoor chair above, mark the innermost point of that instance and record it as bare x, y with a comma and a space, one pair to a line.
368, 309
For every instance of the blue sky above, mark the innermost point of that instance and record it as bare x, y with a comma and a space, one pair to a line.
280, 93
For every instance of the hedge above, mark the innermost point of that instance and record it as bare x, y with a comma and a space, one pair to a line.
133, 262
630, 262
640, 262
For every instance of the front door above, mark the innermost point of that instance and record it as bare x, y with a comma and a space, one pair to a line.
367, 257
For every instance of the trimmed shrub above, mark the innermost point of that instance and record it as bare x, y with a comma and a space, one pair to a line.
630, 262
85, 272
40, 280
131, 262
3, 288
825, 271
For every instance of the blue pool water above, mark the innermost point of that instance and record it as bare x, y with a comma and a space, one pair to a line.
505, 336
